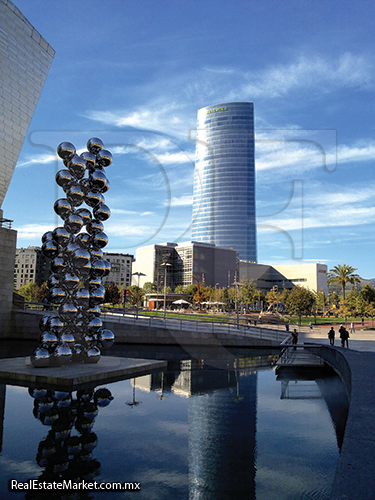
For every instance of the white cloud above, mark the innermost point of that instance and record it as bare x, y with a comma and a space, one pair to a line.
37, 160
32, 231
180, 201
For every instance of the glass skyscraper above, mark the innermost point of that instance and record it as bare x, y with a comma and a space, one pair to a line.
224, 178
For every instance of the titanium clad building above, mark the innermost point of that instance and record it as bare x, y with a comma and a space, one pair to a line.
224, 179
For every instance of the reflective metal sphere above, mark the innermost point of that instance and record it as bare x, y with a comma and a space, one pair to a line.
67, 337
77, 167
61, 236
82, 297
50, 249
94, 199
70, 281
47, 236
99, 240
96, 254
83, 240
57, 295
91, 354
58, 265
63, 208
89, 159
99, 181
67, 311
94, 311
64, 178
94, 282
104, 158
48, 339
94, 326
94, 145
55, 325
102, 212
53, 280
106, 338
94, 227
73, 223
66, 150
75, 195
44, 322
62, 354
107, 267
98, 268
97, 296
40, 357
85, 214
80, 257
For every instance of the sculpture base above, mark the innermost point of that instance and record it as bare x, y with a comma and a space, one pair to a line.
20, 371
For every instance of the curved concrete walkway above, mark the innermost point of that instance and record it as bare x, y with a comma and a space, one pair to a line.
355, 478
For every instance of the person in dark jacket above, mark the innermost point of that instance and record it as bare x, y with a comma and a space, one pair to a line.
344, 335
331, 336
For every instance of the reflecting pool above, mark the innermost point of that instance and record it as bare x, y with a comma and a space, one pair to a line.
208, 428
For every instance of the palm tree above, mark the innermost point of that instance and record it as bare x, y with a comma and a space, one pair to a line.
341, 275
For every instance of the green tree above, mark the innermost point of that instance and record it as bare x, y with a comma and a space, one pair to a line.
343, 274
112, 294
134, 293
190, 290
179, 289
300, 302
367, 294
42, 292
149, 287
346, 308
30, 291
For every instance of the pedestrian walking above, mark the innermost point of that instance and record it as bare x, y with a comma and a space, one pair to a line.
331, 336
287, 326
294, 338
352, 330
344, 336
310, 326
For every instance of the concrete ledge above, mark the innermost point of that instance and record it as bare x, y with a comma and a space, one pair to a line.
355, 478
19, 371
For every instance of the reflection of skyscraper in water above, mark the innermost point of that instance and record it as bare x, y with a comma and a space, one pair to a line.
222, 440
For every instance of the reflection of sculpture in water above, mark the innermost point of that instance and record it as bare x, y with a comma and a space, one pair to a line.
77, 264
66, 451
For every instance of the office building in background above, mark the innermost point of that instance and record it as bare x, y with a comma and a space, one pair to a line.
224, 179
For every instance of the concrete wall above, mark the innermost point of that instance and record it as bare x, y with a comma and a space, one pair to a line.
25, 325
8, 242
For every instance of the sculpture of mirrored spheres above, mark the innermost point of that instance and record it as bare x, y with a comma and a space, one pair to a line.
76, 334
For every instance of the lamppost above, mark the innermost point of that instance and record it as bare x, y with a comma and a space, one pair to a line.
139, 275
165, 264
237, 284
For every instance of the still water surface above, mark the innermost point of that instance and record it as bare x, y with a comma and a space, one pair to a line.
192, 433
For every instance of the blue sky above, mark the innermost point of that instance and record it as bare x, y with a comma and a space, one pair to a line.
134, 73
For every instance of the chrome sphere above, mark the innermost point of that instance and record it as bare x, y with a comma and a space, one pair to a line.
99, 181
73, 223
40, 357
75, 195
55, 325
85, 215
80, 257
70, 281
82, 297
58, 265
44, 323
83, 240
50, 249
94, 227
103, 397
62, 354
99, 240
66, 150
94, 312
94, 145
106, 338
91, 354
97, 296
53, 280
89, 159
67, 338
96, 254
107, 268
104, 158
94, 326
77, 167
102, 212
63, 208
47, 236
61, 236
94, 199
98, 268
94, 282
64, 178
48, 339
57, 295
67, 311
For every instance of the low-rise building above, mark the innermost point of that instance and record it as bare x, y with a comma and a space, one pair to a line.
121, 269
30, 266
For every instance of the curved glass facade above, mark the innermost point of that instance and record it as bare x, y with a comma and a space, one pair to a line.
224, 178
